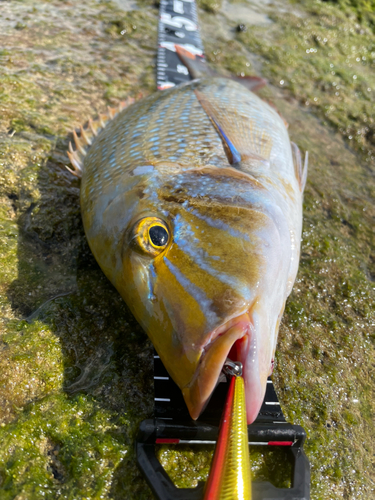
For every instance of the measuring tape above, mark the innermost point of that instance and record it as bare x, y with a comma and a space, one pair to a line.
178, 25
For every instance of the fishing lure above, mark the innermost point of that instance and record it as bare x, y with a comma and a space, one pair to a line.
229, 477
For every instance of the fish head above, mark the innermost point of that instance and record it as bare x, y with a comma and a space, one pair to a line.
205, 266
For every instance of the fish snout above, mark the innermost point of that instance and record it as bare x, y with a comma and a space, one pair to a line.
214, 354
239, 340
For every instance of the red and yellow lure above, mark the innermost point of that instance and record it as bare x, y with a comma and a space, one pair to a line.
230, 477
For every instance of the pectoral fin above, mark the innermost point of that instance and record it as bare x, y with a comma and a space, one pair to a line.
242, 140
299, 169
232, 154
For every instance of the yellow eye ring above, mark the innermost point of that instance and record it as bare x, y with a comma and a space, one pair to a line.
150, 235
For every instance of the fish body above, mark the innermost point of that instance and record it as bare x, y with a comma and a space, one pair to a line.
191, 201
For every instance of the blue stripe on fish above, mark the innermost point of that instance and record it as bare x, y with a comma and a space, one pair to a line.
199, 256
218, 224
182, 238
151, 280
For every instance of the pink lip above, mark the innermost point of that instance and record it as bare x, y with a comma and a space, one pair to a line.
247, 353
215, 352
242, 320
238, 340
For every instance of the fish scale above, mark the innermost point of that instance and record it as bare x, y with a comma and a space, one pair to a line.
182, 117
264, 133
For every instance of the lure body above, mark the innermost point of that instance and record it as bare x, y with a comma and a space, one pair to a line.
229, 477
192, 205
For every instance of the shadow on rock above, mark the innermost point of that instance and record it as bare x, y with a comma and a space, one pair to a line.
106, 356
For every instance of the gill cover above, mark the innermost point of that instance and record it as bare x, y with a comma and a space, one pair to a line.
204, 288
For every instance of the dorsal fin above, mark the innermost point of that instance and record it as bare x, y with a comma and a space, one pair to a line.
299, 169
86, 135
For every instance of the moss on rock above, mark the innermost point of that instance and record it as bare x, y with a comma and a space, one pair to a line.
326, 60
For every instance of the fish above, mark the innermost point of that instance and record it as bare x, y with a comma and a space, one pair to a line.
191, 201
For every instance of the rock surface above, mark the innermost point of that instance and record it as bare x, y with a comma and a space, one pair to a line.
75, 368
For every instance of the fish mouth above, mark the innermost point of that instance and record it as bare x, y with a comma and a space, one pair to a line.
236, 339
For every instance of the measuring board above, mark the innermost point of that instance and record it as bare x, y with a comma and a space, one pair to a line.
172, 425
169, 404
178, 25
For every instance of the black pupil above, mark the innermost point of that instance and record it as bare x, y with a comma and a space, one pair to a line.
158, 235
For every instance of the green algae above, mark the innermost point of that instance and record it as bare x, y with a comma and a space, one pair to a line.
71, 394
327, 63
61, 447
75, 367
228, 56
326, 350
212, 6
364, 10
31, 366
272, 465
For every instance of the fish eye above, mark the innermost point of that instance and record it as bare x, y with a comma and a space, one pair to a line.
150, 235
158, 236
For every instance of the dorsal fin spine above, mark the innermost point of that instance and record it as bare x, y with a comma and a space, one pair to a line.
92, 127
84, 136
88, 134
79, 144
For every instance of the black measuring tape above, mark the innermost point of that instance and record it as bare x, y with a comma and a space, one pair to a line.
169, 404
172, 425
178, 25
